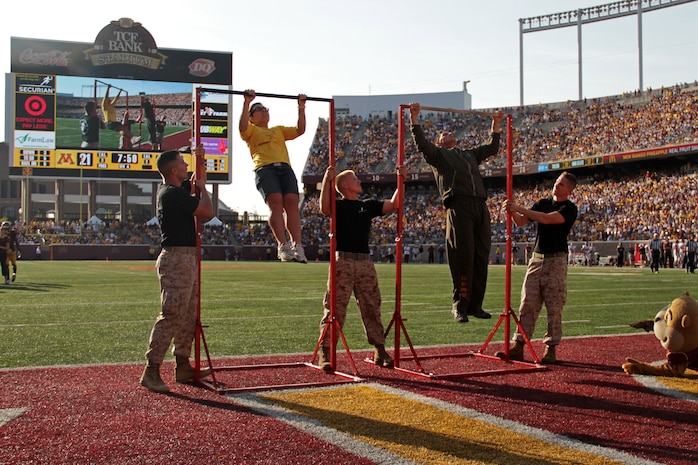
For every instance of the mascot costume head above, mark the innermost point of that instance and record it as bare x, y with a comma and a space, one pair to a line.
676, 327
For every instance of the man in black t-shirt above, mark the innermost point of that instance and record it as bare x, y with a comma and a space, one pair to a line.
355, 269
178, 268
546, 275
90, 124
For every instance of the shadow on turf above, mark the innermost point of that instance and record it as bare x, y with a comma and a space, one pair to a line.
228, 406
33, 287
652, 448
595, 405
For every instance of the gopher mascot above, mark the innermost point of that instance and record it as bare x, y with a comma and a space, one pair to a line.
676, 327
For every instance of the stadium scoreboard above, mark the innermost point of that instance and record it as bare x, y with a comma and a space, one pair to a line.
51, 81
110, 161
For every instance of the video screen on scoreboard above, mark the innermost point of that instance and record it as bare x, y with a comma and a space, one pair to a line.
107, 127
132, 115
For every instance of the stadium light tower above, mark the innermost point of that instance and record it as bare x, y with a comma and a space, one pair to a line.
589, 15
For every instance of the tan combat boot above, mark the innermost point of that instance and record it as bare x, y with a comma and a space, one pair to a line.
151, 379
184, 372
515, 352
324, 359
381, 357
549, 355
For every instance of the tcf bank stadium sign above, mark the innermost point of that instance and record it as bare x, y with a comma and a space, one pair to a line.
123, 49
126, 42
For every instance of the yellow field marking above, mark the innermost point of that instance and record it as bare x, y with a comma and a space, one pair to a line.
430, 432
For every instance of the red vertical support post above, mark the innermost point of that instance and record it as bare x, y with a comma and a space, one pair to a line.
333, 245
398, 237
509, 189
199, 167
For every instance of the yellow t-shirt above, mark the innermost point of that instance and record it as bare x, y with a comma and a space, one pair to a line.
268, 145
109, 110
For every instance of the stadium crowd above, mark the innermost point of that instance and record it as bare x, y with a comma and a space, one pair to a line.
541, 133
611, 208
614, 205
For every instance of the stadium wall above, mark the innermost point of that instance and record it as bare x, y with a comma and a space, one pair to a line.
606, 252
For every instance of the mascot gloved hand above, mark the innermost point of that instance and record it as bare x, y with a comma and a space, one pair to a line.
676, 327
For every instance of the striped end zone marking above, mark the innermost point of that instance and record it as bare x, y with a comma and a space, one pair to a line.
380, 422
9, 414
685, 388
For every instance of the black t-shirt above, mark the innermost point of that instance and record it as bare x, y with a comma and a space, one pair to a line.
552, 238
89, 128
354, 223
176, 208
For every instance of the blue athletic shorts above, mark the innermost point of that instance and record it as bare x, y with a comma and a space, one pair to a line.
276, 177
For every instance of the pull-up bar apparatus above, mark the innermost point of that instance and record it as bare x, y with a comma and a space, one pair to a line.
106, 84
454, 110
333, 324
397, 320
203, 90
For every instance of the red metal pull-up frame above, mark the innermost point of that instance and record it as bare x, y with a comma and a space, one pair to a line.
397, 320
332, 325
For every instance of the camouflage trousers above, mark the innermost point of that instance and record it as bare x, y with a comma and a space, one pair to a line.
179, 297
358, 276
545, 283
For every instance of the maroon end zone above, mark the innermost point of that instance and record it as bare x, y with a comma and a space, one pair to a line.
100, 415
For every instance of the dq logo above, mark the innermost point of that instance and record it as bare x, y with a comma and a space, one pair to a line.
202, 67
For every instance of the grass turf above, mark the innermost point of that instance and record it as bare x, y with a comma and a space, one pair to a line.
74, 312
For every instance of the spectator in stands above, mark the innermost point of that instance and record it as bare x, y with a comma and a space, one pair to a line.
468, 230
355, 270
274, 176
178, 268
546, 275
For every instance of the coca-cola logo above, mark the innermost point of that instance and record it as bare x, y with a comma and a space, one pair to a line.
202, 67
50, 58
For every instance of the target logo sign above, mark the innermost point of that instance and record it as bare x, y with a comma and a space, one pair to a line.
35, 105
34, 112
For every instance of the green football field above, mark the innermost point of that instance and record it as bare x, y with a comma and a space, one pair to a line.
73, 312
